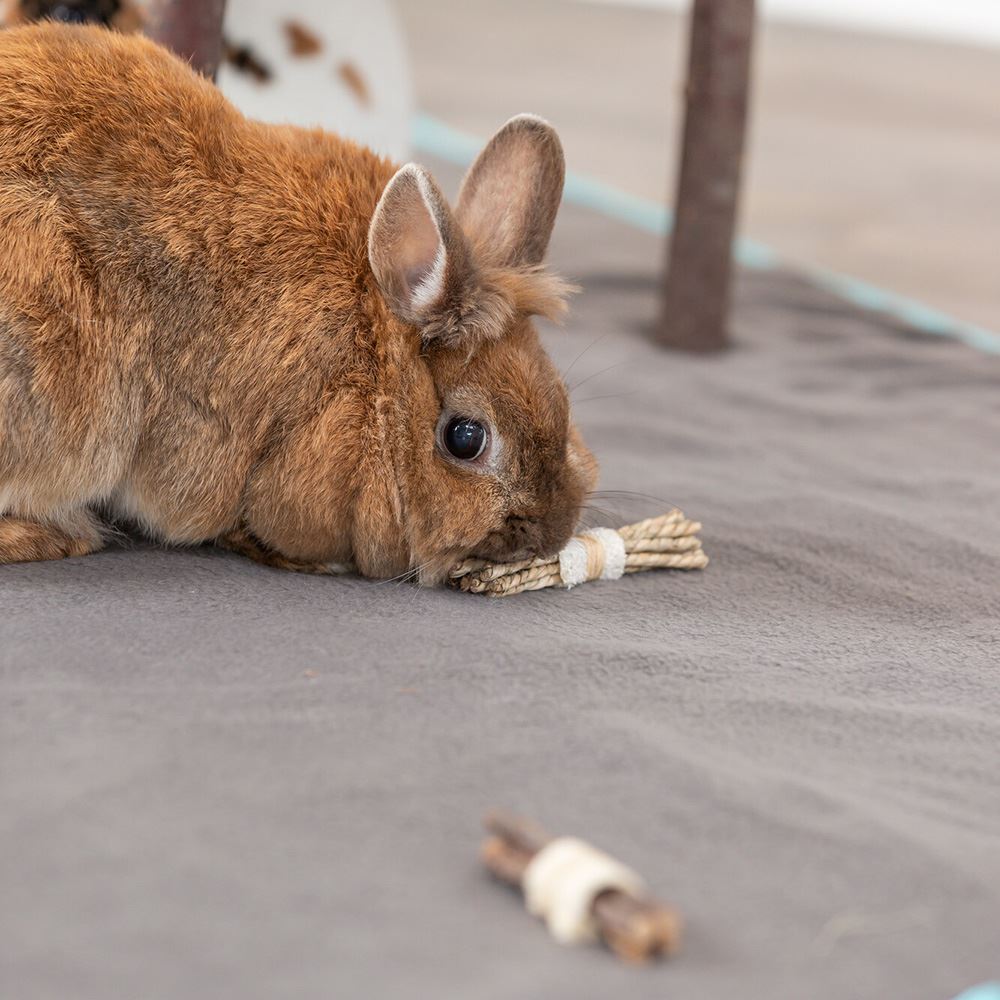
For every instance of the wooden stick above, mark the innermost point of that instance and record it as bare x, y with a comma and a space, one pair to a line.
635, 929
192, 28
695, 302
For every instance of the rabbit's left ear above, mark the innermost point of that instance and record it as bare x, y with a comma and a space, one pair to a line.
417, 252
509, 198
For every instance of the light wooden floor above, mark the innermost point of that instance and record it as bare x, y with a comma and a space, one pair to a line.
874, 156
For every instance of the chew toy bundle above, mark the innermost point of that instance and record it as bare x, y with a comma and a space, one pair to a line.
581, 893
666, 542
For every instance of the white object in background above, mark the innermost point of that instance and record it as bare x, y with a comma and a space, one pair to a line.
337, 64
972, 21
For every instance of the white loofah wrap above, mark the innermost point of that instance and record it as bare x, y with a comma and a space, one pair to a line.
614, 552
598, 554
573, 563
562, 881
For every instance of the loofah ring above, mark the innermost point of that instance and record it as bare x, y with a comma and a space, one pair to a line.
562, 881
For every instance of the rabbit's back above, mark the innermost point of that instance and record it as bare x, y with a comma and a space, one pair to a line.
115, 170
175, 281
89, 127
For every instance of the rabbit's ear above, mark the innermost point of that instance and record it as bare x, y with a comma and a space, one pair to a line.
510, 195
415, 249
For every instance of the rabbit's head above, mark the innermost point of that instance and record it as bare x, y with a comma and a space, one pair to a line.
493, 466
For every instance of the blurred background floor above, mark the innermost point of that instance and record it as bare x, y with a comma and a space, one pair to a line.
872, 155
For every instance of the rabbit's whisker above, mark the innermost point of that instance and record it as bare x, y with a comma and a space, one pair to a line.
597, 374
610, 395
406, 576
593, 343
630, 495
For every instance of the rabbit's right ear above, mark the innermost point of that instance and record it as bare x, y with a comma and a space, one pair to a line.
417, 253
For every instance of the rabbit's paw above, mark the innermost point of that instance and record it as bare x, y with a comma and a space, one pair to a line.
243, 542
22, 540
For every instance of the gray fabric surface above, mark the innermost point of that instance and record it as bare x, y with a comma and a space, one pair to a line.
223, 781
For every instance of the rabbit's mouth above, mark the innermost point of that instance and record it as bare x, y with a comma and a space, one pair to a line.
527, 538
433, 572
502, 546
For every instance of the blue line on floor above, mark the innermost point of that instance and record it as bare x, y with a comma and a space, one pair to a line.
433, 136
986, 991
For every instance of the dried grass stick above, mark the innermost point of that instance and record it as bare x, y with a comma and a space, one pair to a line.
581, 893
669, 541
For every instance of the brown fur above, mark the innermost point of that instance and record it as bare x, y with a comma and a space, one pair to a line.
193, 333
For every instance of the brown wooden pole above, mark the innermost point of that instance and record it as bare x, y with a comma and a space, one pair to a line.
192, 28
695, 301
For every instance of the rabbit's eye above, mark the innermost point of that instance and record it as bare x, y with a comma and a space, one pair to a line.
464, 438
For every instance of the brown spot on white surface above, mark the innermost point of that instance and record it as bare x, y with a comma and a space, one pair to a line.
351, 76
301, 41
243, 59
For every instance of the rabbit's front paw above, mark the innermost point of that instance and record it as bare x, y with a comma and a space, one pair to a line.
243, 542
22, 540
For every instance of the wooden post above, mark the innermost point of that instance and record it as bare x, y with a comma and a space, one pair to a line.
192, 28
695, 302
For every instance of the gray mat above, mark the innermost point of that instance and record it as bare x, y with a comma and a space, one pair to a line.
222, 781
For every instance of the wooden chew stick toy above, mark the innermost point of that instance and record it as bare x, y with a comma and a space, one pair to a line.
633, 925
669, 541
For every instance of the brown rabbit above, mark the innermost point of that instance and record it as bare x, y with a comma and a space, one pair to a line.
264, 336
